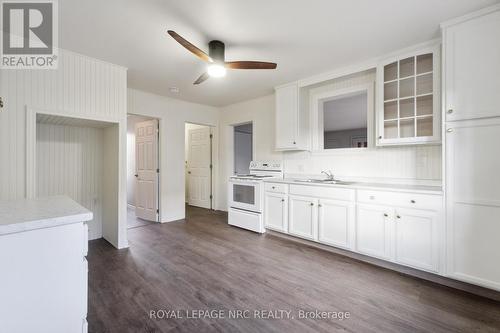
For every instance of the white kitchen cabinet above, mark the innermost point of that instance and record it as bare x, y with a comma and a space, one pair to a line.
472, 67
374, 230
276, 211
417, 238
336, 223
291, 123
43, 280
473, 201
303, 217
408, 98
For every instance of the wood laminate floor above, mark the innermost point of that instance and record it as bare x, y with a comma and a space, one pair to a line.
201, 263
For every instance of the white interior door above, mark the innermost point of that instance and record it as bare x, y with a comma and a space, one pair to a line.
198, 168
146, 164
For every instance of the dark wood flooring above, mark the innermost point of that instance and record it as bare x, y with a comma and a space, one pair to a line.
201, 263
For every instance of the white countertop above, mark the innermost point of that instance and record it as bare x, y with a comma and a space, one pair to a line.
366, 186
30, 214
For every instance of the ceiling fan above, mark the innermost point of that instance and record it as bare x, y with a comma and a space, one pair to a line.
217, 64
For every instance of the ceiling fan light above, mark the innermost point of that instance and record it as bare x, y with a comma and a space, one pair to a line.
216, 70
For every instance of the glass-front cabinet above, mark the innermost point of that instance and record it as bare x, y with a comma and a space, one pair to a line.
408, 99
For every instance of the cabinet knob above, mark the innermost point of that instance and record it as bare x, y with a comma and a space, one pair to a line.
311, 204
449, 130
412, 201
372, 197
294, 143
398, 216
274, 187
282, 200
450, 111
386, 215
320, 205
380, 136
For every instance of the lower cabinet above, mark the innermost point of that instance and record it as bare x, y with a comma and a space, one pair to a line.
400, 227
302, 221
336, 223
276, 211
373, 230
417, 239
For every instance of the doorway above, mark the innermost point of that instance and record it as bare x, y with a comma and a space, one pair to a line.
142, 171
243, 148
199, 165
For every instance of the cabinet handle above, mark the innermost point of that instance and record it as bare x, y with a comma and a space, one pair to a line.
386, 215
412, 201
450, 111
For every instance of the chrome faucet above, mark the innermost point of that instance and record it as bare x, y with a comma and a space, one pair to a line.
329, 174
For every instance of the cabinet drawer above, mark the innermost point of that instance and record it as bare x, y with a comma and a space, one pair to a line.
276, 187
323, 192
397, 199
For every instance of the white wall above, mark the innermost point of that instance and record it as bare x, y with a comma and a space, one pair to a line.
131, 180
81, 86
173, 114
70, 162
410, 164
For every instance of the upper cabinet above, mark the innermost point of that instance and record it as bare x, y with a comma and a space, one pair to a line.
472, 67
292, 132
408, 99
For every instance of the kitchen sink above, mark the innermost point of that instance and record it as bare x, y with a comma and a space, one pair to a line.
323, 181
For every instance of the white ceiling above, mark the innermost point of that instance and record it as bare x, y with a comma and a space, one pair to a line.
303, 37
345, 113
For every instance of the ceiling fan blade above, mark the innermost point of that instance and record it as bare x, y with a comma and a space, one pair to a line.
190, 47
250, 65
203, 77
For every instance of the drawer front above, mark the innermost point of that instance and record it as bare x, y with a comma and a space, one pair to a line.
276, 187
323, 192
397, 199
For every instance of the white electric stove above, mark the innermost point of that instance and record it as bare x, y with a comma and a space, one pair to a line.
246, 195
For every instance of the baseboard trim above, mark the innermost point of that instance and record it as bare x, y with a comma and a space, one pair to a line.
445, 281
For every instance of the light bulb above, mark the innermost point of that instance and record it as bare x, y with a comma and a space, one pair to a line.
216, 70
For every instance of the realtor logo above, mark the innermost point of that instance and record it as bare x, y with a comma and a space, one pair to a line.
29, 34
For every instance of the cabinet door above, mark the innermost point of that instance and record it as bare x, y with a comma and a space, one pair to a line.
276, 211
417, 239
373, 230
303, 217
473, 202
336, 223
286, 116
408, 103
472, 68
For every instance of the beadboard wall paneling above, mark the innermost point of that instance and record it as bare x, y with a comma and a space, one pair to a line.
70, 162
81, 86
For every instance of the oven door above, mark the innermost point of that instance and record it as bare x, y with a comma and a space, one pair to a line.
244, 195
